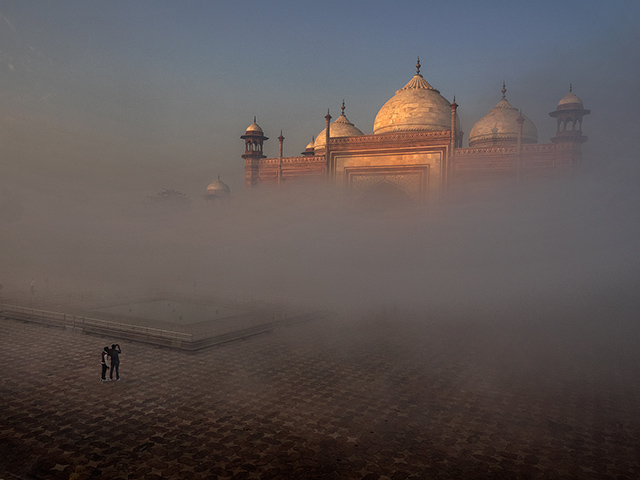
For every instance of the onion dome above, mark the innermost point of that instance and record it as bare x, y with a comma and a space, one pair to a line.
500, 126
416, 106
218, 188
341, 127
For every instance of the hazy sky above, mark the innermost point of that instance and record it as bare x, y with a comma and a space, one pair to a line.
139, 95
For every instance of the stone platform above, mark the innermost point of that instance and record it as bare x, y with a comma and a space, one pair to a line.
339, 398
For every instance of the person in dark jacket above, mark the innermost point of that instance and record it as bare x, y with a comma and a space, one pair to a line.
115, 361
105, 363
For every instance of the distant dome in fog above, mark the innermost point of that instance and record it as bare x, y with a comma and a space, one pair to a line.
218, 189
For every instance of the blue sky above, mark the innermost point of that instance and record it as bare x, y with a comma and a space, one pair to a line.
133, 96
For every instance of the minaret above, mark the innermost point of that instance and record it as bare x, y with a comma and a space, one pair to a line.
454, 112
253, 141
452, 146
569, 115
280, 150
520, 121
327, 156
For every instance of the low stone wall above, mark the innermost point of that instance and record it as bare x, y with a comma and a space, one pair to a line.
259, 323
82, 324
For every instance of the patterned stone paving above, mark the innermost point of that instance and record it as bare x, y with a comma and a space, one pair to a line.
338, 399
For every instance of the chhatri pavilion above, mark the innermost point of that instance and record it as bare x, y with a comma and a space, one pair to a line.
416, 150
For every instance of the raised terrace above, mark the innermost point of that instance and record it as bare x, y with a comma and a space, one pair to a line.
176, 321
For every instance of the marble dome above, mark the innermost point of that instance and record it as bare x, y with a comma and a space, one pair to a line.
218, 188
416, 106
310, 145
500, 127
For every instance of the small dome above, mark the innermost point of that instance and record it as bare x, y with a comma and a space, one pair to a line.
500, 127
308, 151
254, 128
416, 106
218, 188
570, 101
341, 127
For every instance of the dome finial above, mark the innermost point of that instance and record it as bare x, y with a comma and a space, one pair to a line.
504, 89
570, 87
343, 106
418, 67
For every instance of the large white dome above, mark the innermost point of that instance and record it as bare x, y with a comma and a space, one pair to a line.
416, 106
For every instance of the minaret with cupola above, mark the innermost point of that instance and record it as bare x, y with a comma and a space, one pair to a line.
253, 142
569, 115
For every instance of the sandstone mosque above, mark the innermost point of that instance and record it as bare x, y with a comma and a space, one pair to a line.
416, 149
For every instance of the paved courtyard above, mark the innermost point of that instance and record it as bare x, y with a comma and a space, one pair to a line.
338, 398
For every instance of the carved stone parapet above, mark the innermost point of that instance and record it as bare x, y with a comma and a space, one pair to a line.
396, 137
302, 160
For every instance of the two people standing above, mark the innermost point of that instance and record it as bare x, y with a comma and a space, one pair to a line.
110, 359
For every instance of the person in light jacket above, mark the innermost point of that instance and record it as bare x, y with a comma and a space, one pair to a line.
105, 361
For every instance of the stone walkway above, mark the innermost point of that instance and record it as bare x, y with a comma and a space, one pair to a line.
335, 399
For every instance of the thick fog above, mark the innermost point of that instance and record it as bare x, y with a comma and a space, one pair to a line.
560, 241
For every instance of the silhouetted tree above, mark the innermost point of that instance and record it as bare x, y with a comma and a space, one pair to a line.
169, 197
